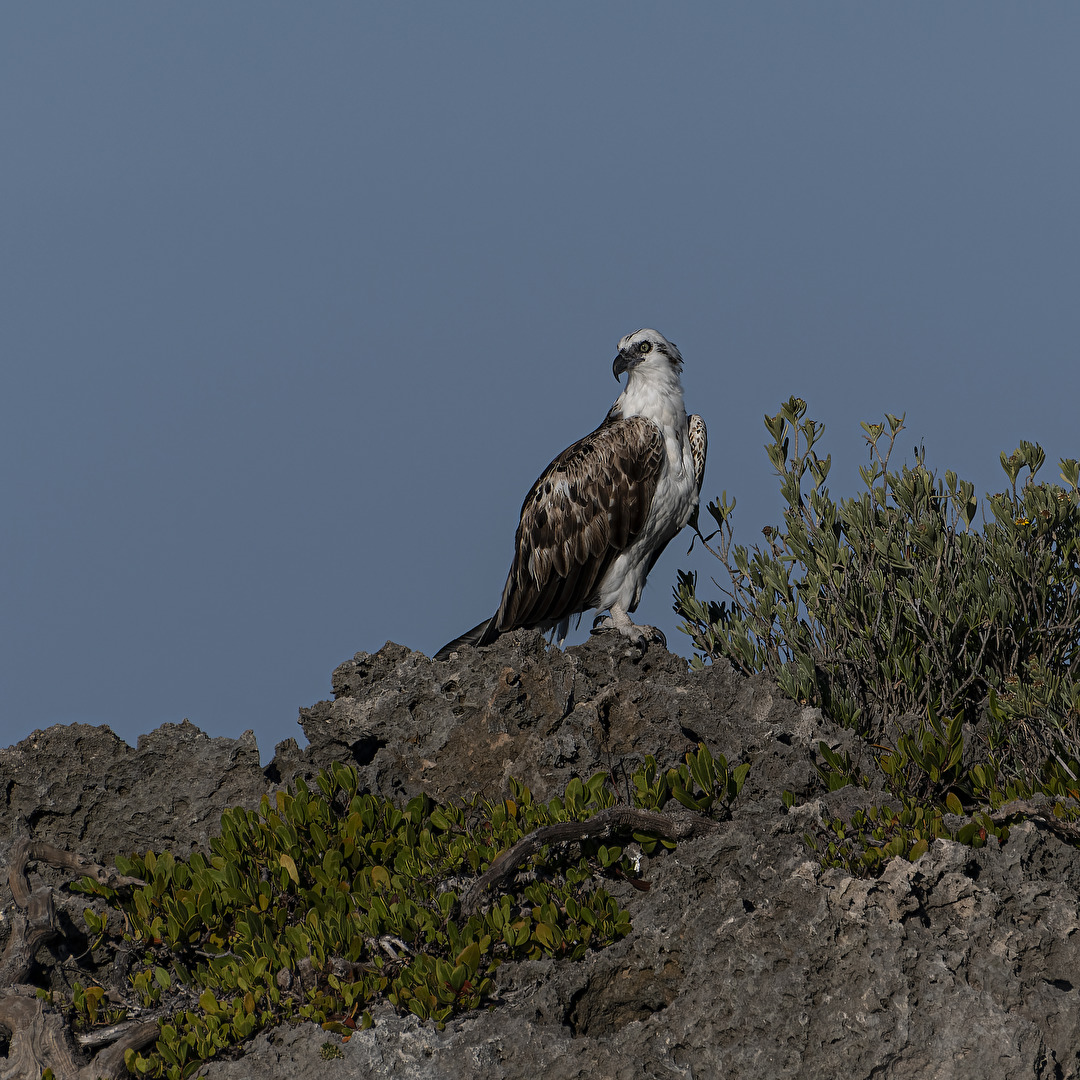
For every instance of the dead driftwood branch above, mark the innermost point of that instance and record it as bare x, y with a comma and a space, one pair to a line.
40, 1036
607, 823
1042, 813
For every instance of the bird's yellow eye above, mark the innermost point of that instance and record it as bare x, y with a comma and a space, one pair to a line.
645, 346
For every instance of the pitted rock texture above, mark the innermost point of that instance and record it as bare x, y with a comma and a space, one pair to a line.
521, 708
745, 959
82, 788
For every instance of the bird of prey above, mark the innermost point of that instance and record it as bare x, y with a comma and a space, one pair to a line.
601, 513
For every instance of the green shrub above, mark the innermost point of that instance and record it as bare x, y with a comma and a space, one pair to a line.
323, 901
891, 602
892, 611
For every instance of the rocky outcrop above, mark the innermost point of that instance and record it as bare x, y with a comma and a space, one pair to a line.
82, 788
745, 959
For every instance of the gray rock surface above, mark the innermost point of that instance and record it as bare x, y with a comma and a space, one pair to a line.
82, 788
745, 959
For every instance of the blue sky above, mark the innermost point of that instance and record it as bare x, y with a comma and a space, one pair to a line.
298, 300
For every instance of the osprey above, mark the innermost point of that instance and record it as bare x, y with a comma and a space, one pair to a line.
601, 513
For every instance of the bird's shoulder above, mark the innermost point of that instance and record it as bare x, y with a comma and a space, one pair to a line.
620, 451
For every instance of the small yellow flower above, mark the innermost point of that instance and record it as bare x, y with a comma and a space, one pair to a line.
1023, 521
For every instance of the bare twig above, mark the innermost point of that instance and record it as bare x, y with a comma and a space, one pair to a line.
615, 819
40, 1037
1038, 812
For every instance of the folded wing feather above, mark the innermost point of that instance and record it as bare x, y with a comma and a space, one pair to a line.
587, 506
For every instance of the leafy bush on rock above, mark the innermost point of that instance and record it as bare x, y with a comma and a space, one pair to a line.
891, 610
323, 901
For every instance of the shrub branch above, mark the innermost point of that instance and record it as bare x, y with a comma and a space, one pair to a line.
607, 823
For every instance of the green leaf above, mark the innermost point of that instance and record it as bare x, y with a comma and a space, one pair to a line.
688, 801
289, 866
469, 957
740, 774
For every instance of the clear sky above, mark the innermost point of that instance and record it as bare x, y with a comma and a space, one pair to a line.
297, 300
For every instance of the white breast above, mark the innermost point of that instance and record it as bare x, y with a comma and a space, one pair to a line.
654, 390
672, 505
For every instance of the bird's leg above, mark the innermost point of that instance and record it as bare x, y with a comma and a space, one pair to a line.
618, 619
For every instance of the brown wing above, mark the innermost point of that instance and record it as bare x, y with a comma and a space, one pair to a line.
590, 502
699, 446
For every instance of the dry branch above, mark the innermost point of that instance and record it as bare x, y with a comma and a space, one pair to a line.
1040, 812
616, 819
40, 1037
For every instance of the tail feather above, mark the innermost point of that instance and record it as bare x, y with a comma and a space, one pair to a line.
482, 634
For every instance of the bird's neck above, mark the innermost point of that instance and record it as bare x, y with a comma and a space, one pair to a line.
654, 393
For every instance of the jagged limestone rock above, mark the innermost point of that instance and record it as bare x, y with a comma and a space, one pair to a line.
745, 959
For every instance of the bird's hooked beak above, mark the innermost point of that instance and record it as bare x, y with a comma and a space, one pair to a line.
619, 365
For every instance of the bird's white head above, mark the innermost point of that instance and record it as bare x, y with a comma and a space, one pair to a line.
648, 352
653, 387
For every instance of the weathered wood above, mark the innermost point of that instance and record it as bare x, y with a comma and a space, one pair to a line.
1042, 813
40, 1036
109, 1063
609, 822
